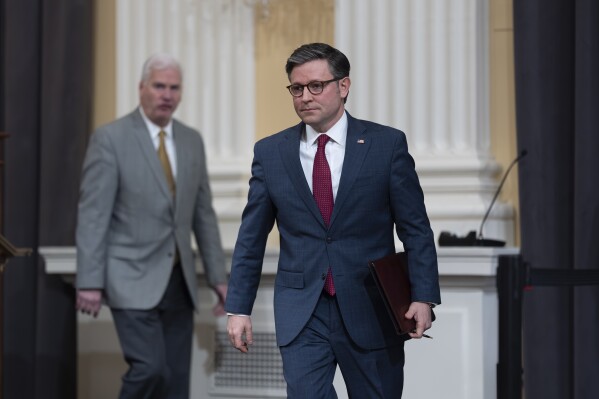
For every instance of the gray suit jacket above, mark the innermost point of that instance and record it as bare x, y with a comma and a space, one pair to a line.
128, 223
378, 192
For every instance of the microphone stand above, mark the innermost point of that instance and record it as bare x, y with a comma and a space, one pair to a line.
447, 239
505, 175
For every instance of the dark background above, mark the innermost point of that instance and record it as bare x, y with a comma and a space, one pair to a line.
45, 103
557, 114
46, 96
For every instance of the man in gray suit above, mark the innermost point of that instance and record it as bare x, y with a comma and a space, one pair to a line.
144, 190
337, 187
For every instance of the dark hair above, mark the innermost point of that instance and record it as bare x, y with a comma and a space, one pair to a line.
338, 62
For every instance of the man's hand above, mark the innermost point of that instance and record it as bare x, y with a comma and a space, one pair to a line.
421, 313
221, 293
237, 326
89, 301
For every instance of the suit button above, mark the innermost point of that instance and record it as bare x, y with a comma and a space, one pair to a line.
329, 240
323, 276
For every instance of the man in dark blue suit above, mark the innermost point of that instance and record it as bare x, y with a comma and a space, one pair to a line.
337, 187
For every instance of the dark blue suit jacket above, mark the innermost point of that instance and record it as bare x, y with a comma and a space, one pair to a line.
378, 190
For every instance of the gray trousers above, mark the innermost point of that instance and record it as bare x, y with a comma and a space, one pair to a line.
156, 344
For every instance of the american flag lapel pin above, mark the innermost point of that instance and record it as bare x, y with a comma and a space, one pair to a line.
361, 141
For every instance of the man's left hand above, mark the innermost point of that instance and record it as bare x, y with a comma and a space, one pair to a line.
421, 313
221, 293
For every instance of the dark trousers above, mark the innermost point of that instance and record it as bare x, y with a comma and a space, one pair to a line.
156, 344
310, 361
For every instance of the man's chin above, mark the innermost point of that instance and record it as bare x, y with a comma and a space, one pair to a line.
162, 118
309, 118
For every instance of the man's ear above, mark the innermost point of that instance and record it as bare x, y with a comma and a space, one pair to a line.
344, 85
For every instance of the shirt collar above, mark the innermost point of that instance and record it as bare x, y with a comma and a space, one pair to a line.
337, 133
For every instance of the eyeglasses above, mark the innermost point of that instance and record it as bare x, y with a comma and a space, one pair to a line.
315, 87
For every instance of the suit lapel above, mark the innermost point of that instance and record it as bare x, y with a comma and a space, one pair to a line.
357, 145
289, 149
183, 161
149, 152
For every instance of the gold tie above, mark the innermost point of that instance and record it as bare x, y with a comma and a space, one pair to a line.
168, 172
166, 165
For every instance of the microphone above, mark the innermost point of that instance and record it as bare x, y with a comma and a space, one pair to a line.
447, 239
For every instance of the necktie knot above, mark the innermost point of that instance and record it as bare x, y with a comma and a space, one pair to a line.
323, 140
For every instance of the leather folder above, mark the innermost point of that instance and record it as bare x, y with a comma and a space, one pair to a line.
392, 278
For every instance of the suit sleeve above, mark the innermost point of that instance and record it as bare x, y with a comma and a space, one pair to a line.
257, 221
412, 225
99, 185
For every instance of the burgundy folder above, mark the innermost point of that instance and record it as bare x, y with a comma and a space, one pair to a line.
393, 280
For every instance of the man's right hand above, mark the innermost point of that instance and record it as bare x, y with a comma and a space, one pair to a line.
89, 301
237, 326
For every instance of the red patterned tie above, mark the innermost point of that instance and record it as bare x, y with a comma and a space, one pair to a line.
322, 189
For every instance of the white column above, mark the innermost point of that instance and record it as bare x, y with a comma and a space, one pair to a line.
214, 41
422, 66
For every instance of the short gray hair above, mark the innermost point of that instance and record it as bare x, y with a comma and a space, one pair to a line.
158, 62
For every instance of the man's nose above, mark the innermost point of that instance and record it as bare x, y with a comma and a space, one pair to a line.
306, 95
